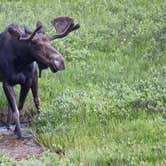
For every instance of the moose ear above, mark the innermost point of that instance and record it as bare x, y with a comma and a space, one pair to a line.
27, 29
42, 29
13, 29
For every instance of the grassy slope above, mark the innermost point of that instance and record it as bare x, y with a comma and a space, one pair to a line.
108, 107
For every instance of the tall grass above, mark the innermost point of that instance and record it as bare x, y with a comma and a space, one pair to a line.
109, 106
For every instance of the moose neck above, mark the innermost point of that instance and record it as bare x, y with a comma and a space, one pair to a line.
23, 55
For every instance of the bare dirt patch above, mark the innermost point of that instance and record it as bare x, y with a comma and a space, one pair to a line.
18, 149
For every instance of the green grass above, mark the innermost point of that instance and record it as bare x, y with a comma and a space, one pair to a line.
109, 106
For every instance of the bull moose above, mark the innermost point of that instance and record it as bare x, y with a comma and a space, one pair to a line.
18, 52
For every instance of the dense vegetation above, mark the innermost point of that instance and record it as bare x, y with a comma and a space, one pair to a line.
109, 106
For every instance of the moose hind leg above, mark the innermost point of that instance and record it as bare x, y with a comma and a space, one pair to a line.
10, 94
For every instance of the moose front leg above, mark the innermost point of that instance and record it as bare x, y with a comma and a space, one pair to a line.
23, 93
9, 117
10, 94
34, 89
30, 83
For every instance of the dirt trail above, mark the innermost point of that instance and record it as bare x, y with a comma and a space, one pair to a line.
18, 149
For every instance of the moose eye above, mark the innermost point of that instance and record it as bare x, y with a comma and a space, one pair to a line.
36, 44
34, 41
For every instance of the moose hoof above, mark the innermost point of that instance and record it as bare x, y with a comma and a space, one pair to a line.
15, 130
18, 133
8, 127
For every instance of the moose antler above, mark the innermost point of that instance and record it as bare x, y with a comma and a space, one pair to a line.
14, 30
63, 26
32, 35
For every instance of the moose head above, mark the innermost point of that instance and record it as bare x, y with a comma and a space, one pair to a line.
39, 45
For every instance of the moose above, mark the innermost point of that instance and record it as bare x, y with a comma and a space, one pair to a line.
19, 51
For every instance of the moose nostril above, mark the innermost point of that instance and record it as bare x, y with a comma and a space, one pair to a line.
56, 63
59, 65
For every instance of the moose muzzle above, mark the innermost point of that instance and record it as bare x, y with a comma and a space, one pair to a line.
58, 63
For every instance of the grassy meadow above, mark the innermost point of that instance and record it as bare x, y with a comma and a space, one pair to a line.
109, 106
